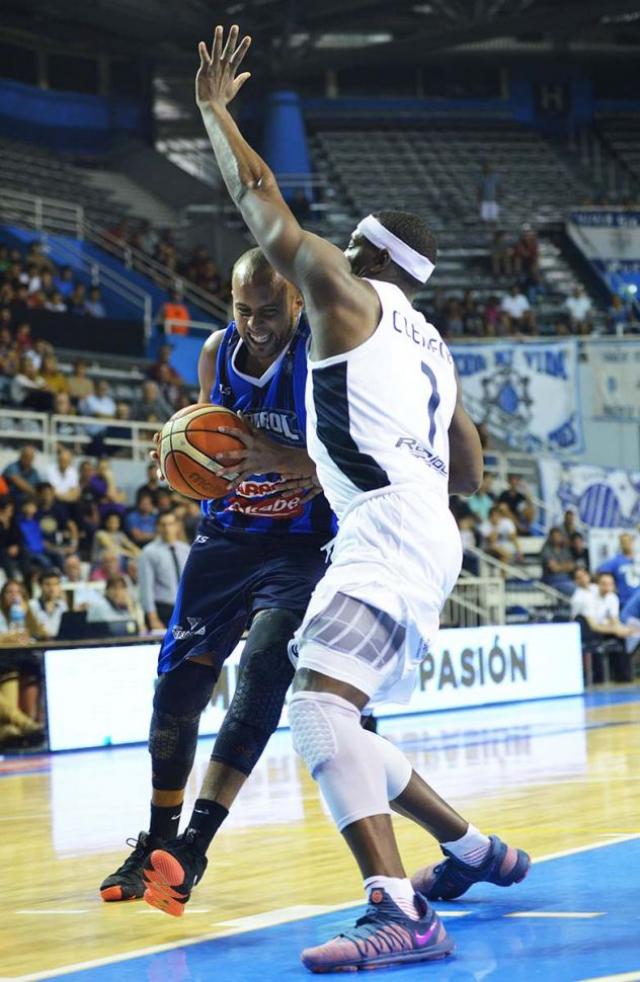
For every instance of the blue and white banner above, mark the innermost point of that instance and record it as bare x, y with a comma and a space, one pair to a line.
527, 394
615, 372
601, 498
604, 233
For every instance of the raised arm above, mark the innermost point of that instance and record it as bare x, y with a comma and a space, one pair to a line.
319, 269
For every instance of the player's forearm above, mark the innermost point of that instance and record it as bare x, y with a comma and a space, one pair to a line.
241, 167
294, 463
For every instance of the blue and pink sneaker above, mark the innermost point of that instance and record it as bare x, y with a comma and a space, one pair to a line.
383, 936
503, 865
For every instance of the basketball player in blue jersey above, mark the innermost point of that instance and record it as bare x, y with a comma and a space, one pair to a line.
391, 440
255, 561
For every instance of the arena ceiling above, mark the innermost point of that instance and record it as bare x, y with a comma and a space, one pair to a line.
311, 36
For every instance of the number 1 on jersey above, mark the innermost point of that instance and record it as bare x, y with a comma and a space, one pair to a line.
434, 401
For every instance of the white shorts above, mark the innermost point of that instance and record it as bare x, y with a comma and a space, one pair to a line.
398, 552
489, 211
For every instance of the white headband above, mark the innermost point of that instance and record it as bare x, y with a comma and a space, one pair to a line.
413, 262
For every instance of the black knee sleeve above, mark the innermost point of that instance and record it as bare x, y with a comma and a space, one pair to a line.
265, 674
180, 698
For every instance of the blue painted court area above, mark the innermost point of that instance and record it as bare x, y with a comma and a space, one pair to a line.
490, 944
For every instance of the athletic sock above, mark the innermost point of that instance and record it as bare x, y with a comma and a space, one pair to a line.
206, 819
400, 891
471, 848
165, 822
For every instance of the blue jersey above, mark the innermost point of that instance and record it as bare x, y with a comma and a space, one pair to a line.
626, 572
274, 403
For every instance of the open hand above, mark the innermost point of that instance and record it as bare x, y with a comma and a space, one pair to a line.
216, 81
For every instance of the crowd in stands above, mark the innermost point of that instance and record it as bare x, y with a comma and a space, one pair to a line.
515, 288
197, 266
29, 280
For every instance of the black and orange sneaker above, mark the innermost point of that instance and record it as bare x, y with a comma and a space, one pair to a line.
172, 871
127, 883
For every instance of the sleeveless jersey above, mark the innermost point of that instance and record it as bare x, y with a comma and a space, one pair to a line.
379, 415
274, 403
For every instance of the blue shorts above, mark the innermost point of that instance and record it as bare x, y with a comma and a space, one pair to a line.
228, 577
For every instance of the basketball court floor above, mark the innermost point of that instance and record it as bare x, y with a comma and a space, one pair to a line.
561, 778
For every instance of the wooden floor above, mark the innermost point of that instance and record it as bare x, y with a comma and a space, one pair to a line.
550, 776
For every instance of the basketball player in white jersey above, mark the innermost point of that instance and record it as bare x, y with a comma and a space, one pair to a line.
390, 440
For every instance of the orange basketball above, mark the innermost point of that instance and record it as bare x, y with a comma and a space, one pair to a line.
187, 444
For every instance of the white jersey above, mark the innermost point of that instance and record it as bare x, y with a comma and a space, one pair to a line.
378, 416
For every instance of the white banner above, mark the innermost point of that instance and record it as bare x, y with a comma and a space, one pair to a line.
601, 498
527, 394
100, 697
615, 372
606, 234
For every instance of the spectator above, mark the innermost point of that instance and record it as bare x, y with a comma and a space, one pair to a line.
141, 522
62, 407
21, 476
526, 255
558, 565
579, 308
620, 315
483, 500
599, 619
515, 305
59, 531
582, 596
168, 390
519, 504
80, 385
94, 305
14, 593
24, 341
105, 490
151, 407
160, 567
63, 282
569, 523
162, 360
10, 539
114, 606
77, 302
147, 238
501, 255
37, 257
469, 537
55, 303
500, 537
32, 540
54, 380
117, 430
50, 605
488, 193
164, 504
99, 403
29, 389
208, 278
152, 485
173, 316
74, 583
579, 551
108, 566
112, 539
624, 567
63, 476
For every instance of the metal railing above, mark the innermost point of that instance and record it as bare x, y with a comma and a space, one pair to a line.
490, 566
42, 214
135, 259
46, 430
475, 601
49, 215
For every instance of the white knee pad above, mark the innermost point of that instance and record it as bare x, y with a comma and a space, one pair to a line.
348, 767
397, 768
